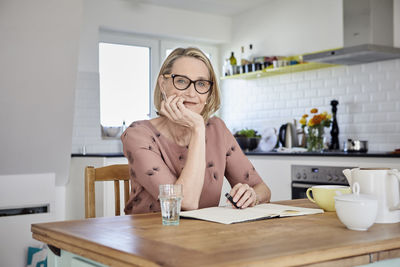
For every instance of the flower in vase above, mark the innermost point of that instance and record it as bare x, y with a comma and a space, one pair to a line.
314, 128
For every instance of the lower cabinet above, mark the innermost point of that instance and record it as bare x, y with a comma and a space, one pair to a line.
67, 259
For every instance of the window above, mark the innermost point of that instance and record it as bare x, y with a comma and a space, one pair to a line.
124, 83
127, 65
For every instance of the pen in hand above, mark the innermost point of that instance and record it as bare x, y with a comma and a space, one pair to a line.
229, 197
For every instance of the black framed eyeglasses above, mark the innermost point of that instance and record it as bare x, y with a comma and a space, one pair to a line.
182, 83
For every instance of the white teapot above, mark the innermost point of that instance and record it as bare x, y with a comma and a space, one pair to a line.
384, 183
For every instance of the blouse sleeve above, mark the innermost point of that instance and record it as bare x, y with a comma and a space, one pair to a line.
238, 169
146, 163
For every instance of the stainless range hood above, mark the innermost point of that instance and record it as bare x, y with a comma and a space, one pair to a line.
368, 34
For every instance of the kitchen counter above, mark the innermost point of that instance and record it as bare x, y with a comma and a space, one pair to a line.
142, 240
328, 154
296, 154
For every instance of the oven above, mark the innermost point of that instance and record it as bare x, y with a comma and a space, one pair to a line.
305, 176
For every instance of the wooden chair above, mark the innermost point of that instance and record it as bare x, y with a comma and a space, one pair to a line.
114, 173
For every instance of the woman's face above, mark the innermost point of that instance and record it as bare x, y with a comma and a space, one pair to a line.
194, 69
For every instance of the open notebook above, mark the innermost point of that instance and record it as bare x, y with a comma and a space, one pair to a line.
228, 214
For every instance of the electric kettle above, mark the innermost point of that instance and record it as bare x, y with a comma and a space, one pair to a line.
288, 136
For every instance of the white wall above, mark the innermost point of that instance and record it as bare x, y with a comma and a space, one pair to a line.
130, 17
15, 231
287, 27
38, 66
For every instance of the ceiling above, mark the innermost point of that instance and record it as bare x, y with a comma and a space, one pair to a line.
217, 7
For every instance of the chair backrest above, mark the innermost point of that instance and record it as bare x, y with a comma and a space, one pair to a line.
116, 173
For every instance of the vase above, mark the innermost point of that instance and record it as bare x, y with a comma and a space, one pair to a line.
315, 139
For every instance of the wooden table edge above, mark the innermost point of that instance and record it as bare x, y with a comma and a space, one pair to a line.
88, 251
329, 254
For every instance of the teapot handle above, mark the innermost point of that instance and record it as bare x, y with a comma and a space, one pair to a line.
396, 173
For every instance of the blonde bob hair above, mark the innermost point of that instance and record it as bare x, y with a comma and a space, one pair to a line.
214, 97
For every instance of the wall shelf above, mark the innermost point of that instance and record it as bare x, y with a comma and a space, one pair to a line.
281, 70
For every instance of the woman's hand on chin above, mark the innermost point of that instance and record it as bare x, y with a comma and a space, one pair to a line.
174, 109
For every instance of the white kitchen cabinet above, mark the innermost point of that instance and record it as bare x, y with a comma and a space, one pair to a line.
276, 170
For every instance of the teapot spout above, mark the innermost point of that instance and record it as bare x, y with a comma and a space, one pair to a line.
347, 174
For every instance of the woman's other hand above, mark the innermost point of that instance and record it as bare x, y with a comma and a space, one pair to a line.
174, 109
244, 195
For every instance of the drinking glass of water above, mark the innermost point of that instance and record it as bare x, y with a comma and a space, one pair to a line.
170, 201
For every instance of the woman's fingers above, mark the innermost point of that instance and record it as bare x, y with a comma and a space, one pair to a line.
168, 108
251, 199
243, 195
174, 109
240, 191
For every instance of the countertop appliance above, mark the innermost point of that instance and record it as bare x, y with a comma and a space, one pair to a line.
287, 135
305, 176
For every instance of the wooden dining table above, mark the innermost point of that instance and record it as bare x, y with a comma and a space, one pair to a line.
142, 240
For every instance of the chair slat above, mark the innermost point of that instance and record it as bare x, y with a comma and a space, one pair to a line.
114, 173
117, 198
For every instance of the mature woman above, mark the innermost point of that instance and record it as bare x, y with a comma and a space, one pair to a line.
184, 145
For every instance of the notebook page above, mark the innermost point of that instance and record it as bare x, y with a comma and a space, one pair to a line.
229, 214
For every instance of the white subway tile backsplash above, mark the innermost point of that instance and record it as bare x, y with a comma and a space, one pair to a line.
380, 76
297, 76
389, 106
345, 80
369, 101
370, 107
324, 73
378, 97
310, 75
393, 94
304, 85
305, 102
317, 83
325, 91
331, 82
379, 117
360, 79
317, 102
354, 89
339, 90
339, 71
346, 99
311, 93
362, 98
370, 87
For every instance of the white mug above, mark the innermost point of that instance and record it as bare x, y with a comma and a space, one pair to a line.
384, 183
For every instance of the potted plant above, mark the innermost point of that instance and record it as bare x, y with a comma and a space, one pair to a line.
248, 139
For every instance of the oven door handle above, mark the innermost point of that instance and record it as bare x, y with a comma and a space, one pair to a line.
299, 185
